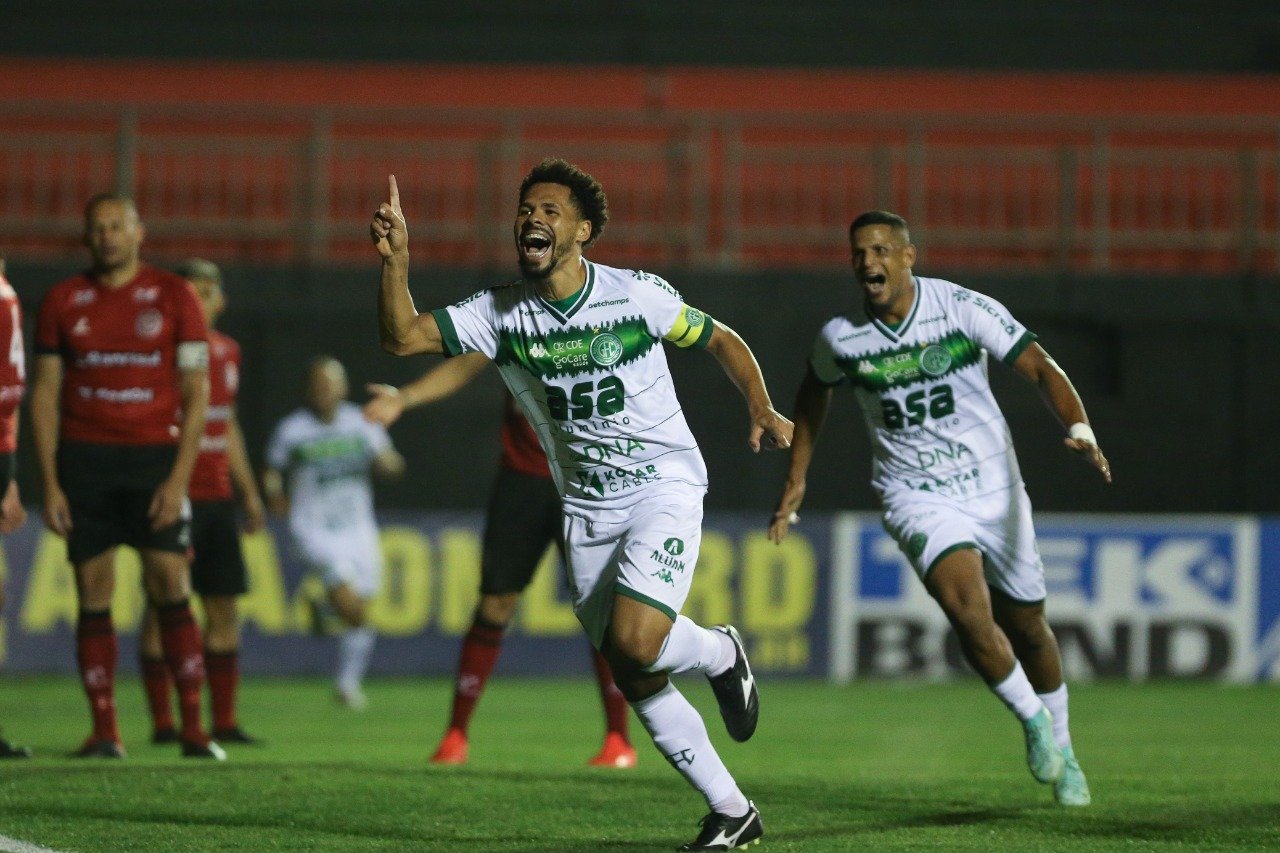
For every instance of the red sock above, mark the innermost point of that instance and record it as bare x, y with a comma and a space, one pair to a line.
155, 680
480, 650
224, 676
183, 652
96, 655
615, 704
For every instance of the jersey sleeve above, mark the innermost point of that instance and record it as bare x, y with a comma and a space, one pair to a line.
377, 436
469, 325
667, 316
278, 447
989, 324
822, 361
48, 338
188, 319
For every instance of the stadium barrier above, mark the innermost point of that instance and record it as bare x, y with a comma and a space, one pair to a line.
1130, 597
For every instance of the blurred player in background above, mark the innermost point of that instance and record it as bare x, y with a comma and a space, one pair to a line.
915, 352
320, 462
523, 519
580, 347
118, 409
217, 568
13, 382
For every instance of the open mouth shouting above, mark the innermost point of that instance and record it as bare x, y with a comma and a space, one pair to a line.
874, 284
535, 247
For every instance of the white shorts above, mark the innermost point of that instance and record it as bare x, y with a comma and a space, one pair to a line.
649, 557
353, 559
928, 527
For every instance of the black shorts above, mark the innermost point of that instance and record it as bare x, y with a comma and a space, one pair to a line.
524, 518
7, 466
218, 565
110, 488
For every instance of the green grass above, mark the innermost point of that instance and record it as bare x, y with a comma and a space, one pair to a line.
870, 766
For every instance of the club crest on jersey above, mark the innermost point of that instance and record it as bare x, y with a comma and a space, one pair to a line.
935, 360
149, 323
606, 349
83, 297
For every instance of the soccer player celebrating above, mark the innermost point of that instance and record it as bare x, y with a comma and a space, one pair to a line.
118, 408
579, 346
915, 353
320, 461
217, 568
13, 382
522, 520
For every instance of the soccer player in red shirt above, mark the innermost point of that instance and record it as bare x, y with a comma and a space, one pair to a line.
13, 382
523, 518
218, 571
118, 408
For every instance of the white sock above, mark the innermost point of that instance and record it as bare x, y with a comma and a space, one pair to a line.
689, 646
354, 648
1056, 702
1016, 692
679, 734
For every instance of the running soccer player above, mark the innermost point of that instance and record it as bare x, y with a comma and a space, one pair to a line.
217, 568
915, 353
579, 346
13, 383
118, 408
523, 519
320, 461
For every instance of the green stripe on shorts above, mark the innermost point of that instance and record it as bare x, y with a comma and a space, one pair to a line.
644, 599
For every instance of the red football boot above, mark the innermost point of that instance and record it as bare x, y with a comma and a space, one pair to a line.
616, 752
452, 749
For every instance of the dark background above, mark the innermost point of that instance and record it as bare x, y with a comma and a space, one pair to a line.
1179, 374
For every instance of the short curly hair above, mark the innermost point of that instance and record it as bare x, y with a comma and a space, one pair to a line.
587, 193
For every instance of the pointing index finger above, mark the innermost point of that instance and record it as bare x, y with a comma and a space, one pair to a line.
394, 190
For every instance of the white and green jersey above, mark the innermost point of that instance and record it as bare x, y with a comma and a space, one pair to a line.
329, 467
923, 388
591, 376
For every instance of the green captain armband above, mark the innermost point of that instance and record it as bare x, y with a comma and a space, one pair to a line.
691, 329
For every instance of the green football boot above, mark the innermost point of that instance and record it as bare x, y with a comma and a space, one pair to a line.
1044, 757
1071, 789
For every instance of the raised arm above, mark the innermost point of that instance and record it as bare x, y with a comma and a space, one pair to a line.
402, 330
387, 403
1060, 396
812, 401
735, 357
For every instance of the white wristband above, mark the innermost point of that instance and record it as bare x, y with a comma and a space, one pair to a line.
1083, 432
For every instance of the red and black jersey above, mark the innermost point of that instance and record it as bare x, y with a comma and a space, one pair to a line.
13, 372
120, 383
211, 478
520, 449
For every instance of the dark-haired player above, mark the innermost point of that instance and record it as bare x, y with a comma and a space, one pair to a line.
914, 350
217, 568
579, 345
522, 520
118, 408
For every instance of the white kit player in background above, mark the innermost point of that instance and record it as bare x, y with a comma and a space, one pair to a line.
580, 347
915, 353
320, 463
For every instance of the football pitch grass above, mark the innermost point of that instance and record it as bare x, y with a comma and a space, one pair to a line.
869, 766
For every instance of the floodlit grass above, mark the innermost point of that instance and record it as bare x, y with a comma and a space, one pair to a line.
869, 766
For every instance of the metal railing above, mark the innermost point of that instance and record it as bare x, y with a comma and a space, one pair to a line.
723, 191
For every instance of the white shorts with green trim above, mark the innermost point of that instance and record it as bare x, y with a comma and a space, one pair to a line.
649, 556
928, 527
